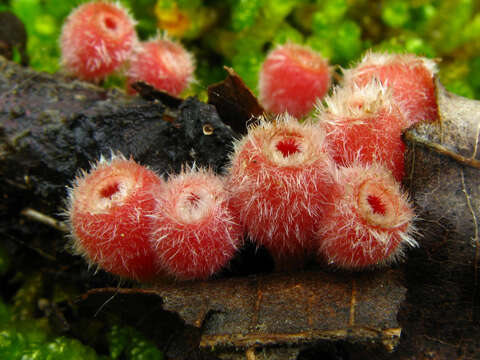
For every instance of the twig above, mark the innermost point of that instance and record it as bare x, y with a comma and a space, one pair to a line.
35, 215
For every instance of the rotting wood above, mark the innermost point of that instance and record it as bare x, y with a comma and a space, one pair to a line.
443, 167
52, 126
276, 309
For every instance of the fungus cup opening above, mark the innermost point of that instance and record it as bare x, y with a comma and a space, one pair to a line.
109, 190
193, 206
110, 23
375, 202
287, 150
288, 147
112, 191
376, 205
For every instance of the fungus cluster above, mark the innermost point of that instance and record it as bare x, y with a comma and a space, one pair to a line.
127, 220
98, 39
325, 188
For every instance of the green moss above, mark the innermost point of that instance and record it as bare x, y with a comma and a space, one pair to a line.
43, 20
396, 13
451, 18
64, 348
461, 88
129, 343
241, 32
247, 64
287, 33
334, 10
406, 42
245, 13
25, 300
32, 339
474, 78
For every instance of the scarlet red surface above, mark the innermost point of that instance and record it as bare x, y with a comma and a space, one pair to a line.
411, 81
96, 39
369, 224
288, 147
376, 137
280, 179
163, 64
195, 233
110, 212
376, 204
292, 78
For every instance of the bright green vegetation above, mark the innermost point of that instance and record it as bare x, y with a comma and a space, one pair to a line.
32, 340
24, 337
239, 33
130, 343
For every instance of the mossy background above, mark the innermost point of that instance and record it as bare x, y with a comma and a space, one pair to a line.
236, 33
239, 33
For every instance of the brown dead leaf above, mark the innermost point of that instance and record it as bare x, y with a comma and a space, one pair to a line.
286, 309
148, 92
443, 168
234, 101
13, 35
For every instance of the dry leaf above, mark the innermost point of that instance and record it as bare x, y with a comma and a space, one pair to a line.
443, 176
235, 102
283, 309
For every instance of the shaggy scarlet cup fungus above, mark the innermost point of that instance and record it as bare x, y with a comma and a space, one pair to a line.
97, 38
364, 123
195, 233
292, 78
280, 179
369, 223
108, 211
410, 76
163, 64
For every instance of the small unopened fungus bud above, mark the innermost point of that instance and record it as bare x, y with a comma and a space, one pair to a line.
96, 39
163, 64
195, 233
292, 78
280, 177
410, 77
364, 123
109, 211
369, 224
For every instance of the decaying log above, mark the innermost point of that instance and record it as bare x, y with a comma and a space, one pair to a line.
443, 177
443, 164
281, 309
290, 309
50, 127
